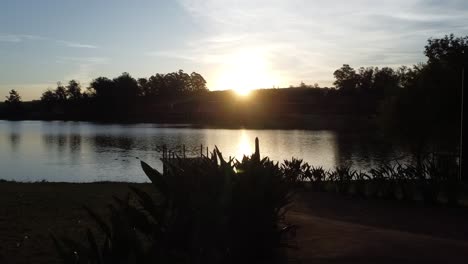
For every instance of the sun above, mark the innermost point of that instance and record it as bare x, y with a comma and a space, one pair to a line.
243, 91
245, 71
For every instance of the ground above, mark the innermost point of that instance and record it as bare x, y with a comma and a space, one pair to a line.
332, 228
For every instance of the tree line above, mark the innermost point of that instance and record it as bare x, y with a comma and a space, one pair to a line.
126, 89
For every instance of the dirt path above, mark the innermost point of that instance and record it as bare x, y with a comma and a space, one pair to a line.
322, 240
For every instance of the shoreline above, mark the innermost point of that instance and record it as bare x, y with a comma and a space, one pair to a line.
294, 122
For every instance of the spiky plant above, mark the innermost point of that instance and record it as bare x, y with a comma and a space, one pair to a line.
360, 182
342, 176
204, 210
297, 170
318, 175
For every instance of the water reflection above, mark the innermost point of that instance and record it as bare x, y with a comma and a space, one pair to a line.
15, 139
14, 135
365, 150
80, 151
244, 145
56, 143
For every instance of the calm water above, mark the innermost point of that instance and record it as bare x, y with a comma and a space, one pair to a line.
84, 152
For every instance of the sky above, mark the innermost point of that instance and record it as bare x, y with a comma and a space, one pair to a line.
248, 43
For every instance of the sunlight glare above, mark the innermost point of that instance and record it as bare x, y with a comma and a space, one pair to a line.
244, 72
244, 146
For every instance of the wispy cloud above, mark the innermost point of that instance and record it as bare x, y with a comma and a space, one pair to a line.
16, 38
76, 45
83, 67
88, 60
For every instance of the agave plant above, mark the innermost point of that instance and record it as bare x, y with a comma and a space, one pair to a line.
430, 178
342, 176
318, 175
360, 182
204, 210
405, 177
297, 170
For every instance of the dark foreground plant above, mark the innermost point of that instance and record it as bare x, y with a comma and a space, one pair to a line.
205, 210
431, 180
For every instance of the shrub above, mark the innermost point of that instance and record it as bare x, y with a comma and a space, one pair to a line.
205, 210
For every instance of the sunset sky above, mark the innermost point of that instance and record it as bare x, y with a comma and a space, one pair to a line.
231, 43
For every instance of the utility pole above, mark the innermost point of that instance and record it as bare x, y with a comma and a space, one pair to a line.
462, 164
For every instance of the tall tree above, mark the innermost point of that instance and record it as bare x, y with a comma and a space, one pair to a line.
386, 82
61, 92
157, 85
48, 97
73, 90
427, 111
126, 88
143, 86
13, 104
102, 88
346, 79
13, 98
365, 78
197, 83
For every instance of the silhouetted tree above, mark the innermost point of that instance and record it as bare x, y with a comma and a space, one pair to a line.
386, 82
13, 98
13, 104
426, 111
449, 51
61, 93
365, 78
144, 87
177, 82
102, 88
157, 85
73, 90
197, 83
346, 79
126, 88
48, 97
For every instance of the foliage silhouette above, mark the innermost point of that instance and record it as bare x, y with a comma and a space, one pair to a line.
14, 105
13, 98
429, 179
204, 210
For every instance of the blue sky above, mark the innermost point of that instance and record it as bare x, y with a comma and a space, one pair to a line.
243, 42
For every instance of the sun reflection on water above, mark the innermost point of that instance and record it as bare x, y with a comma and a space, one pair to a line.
244, 146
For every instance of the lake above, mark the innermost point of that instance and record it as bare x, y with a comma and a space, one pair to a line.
59, 151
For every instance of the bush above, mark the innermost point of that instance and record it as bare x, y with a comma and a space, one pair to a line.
205, 210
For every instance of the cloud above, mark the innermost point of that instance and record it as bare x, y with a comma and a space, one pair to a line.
76, 45
84, 67
87, 60
306, 40
16, 38
170, 54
